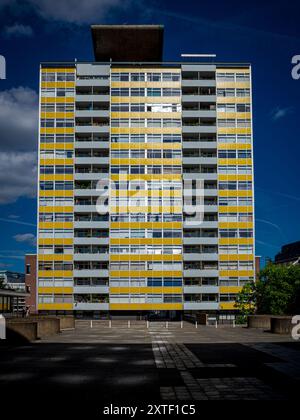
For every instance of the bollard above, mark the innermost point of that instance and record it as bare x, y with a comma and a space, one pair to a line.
196, 324
216, 324
167, 324
181, 324
233, 323
91, 323
147, 324
128, 323
109, 323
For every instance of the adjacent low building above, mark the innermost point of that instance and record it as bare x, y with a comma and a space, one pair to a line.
14, 281
289, 254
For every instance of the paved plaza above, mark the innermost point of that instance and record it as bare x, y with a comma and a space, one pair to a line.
97, 364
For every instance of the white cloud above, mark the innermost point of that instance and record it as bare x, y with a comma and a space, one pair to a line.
19, 119
17, 30
19, 139
18, 176
84, 11
26, 237
278, 112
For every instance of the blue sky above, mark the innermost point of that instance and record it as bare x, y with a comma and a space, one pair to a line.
266, 34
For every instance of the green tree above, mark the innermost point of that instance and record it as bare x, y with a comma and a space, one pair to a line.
278, 289
246, 301
276, 292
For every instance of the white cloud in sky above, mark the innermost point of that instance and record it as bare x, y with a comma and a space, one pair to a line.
280, 112
17, 31
19, 119
28, 238
18, 175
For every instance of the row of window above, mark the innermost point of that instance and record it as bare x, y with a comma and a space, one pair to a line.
56, 169
146, 138
145, 77
236, 265
234, 154
145, 233
147, 169
126, 107
235, 201
148, 154
149, 217
234, 138
233, 107
146, 249
145, 265
58, 122
232, 77
57, 107
235, 185
142, 282
231, 92
235, 217
57, 138
146, 92
56, 154
57, 92
138, 185
234, 123
234, 169
58, 76
141, 122
236, 233
57, 185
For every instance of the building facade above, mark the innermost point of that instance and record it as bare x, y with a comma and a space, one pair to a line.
14, 281
31, 282
145, 185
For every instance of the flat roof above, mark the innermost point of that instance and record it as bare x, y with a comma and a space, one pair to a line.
144, 63
128, 42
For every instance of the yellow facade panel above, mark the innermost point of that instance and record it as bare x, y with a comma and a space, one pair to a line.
56, 290
56, 225
55, 241
57, 130
236, 257
55, 273
146, 225
236, 241
233, 193
55, 209
55, 306
57, 193
56, 177
55, 257
236, 273
230, 289
235, 225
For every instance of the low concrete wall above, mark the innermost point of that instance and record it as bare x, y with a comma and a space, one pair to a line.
48, 326
281, 324
16, 331
37, 327
259, 321
66, 322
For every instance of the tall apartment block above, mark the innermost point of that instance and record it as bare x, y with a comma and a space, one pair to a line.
121, 140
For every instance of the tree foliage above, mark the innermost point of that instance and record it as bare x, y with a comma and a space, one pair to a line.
277, 292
